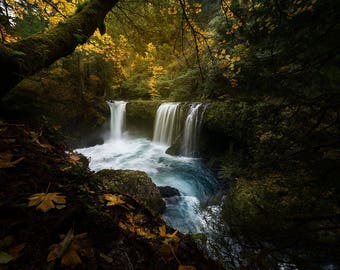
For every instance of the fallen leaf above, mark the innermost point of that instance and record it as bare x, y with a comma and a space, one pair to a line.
162, 233
71, 257
74, 159
71, 249
5, 160
44, 145
46, 201
134, 225
58, 250
113, 200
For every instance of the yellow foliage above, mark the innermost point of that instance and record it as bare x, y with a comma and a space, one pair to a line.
134, 225
46, 201
113, 200
163, 233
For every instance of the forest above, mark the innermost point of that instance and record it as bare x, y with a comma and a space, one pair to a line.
169, 134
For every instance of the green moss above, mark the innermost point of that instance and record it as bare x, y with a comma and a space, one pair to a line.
142, 110
136, 184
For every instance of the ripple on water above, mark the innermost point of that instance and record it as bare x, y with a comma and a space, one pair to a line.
188, 175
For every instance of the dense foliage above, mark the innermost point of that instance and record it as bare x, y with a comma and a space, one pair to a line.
270, 69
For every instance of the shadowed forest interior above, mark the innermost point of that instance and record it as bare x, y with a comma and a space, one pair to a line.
169, 134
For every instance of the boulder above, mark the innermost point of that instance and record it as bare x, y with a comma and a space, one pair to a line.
136, 184
167, 191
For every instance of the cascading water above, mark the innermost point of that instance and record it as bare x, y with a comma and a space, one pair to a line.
166, 124
192, 179
192, 129
117, 119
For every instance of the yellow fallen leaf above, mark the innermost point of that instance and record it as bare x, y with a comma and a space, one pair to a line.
113, 200
5, 160
44, 145
71, 257
74, 159
46, 201
70, 249
162, 233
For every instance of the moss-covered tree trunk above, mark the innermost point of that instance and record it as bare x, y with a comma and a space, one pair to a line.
21, 59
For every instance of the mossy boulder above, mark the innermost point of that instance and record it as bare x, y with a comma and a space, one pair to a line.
136, 184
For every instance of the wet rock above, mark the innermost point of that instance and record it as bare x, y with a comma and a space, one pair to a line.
136, 184
168, 191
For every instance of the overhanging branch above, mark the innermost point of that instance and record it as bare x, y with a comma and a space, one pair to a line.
28, 56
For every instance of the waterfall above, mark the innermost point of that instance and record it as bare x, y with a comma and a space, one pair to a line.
117, 121
167, 122
192, 129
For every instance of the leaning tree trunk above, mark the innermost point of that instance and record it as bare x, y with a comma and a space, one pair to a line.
25, 57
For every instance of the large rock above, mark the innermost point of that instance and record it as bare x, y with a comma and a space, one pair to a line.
136, 184
167, 191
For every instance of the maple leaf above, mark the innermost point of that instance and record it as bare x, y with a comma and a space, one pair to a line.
5, 160
74, 159
70, 249
113, 200
134, 226
46, 201
162, 233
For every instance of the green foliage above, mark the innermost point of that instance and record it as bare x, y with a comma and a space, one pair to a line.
281, 161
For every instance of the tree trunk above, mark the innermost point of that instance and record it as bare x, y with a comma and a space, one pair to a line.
21, 59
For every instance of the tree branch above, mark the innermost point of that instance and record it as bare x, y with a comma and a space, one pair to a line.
38, 51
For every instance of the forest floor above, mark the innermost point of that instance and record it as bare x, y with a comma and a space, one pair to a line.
56, 215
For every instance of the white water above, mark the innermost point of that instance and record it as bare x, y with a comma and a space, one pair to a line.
192, 129
117, 119
165, 124
188, 175
194, 182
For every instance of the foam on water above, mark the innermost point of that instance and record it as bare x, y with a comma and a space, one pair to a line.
188, 175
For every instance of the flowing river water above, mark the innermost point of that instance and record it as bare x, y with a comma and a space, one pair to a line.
185, 172
194, 181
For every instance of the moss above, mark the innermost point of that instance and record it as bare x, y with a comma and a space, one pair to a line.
142, 110
136, 184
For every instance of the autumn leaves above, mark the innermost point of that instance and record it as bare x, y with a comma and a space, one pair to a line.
47, 201
7, 161
73, 249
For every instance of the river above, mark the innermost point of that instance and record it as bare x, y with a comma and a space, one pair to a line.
189, 175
